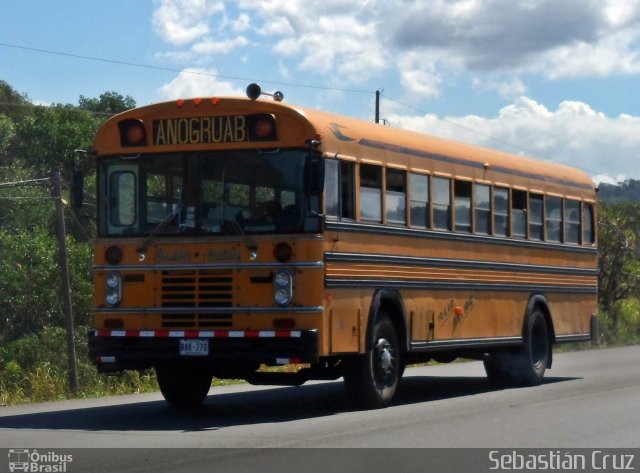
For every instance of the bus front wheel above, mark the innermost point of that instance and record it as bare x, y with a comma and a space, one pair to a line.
183, 386
372, 378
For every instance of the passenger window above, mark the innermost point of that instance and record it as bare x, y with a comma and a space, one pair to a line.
347, 190
553, 218
371, 192
588, 227
442, 203
536, 225
339, 193
519, 213
501, 211
332, 189
396, 196
482, 205
462, 203
419, 199
572, 221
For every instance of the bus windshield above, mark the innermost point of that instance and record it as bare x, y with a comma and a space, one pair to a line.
206, 193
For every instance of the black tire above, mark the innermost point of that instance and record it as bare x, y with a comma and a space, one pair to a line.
533, 359
183, 386
527, 366
372, 379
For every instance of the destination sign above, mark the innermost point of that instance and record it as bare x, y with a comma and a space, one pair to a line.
200, 130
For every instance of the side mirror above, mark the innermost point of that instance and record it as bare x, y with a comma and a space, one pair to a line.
314, 175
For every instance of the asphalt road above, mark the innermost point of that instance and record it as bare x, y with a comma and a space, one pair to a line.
590, 399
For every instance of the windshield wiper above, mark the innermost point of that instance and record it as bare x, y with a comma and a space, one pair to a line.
142, 249
246, 239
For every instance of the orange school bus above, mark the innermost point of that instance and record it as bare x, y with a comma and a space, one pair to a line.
236, 233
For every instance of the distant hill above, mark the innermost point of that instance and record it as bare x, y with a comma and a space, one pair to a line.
625, 191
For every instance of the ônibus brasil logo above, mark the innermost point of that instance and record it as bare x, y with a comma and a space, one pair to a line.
32, 461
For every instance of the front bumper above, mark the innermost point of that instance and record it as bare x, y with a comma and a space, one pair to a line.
116, 350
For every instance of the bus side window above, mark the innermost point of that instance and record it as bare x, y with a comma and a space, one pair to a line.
553, 218
572, 221
501, 211
371, 192
396, 196
442, 203
462, 203
588, 230
482, 205
536, 223
519, 213
332, 188
419, 191
339, 193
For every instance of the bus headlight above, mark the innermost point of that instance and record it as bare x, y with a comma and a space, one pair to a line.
113, 281
283, 287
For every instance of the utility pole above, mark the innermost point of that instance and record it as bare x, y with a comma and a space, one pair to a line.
63, 262
377, 106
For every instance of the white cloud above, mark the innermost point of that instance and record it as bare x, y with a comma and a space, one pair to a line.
180, 22
613, 54
427, 42
242, 23
419, 76
210, 47
428, 47
198, 83
606, 179
573, 134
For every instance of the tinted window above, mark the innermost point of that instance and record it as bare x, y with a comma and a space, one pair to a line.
553, 218
482, 205
396, 196
462, 203
442, 203
572, 221
371, 192
536, 225
419, 199
501, 211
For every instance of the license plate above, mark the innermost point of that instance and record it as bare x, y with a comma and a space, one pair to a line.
194, 347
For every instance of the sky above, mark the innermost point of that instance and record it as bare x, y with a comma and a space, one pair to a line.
553, 79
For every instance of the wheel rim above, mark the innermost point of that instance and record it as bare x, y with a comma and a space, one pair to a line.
384, 363
539, 348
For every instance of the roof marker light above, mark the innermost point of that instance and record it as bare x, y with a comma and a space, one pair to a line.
180, 103
197, 101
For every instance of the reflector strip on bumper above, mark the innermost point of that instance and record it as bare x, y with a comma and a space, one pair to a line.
199, 333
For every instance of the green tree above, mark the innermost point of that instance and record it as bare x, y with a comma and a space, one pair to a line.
108, 103
619, 261
13, 104
7, 135
47, 138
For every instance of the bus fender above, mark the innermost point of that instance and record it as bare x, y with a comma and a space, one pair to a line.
392, 302
541, 301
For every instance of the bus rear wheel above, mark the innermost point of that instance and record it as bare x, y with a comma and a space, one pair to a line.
183, 386
372, 379
533, 359
527, 366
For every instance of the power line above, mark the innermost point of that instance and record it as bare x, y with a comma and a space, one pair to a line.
181, 71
